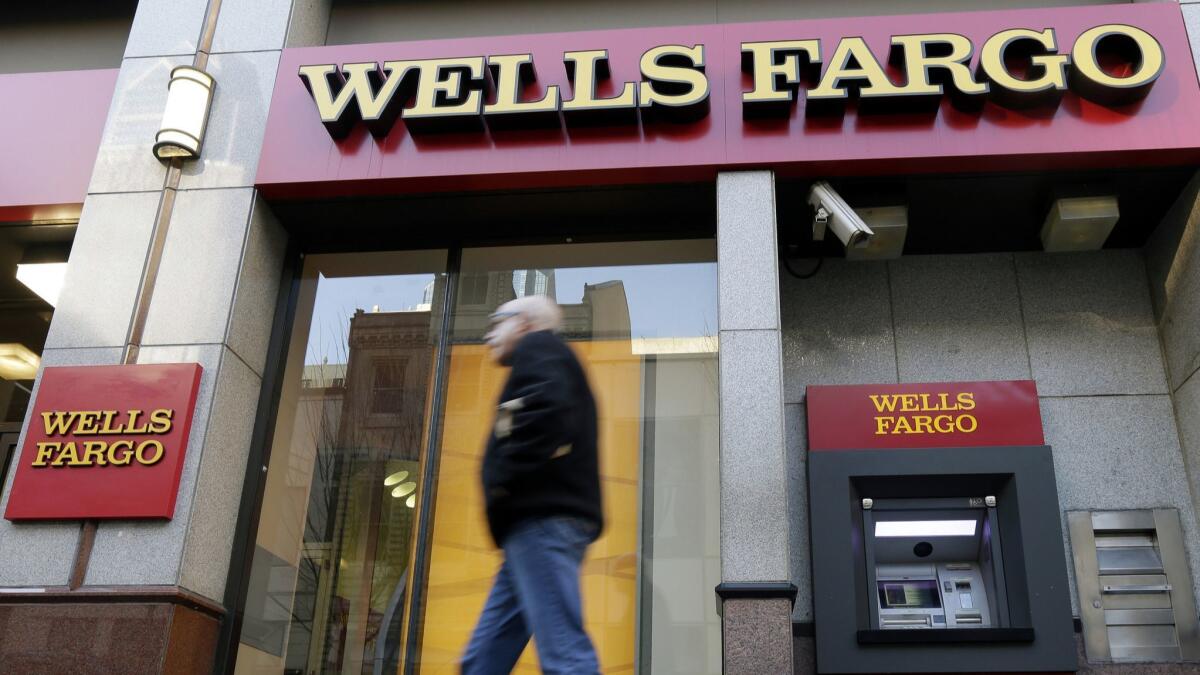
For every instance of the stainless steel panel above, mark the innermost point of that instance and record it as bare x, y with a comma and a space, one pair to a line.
1170, 545
1141, 654
1150, 592
1128, 560
1122, 521
1142, 636
1114, 540
1138, 617
1135, 587
1083, 554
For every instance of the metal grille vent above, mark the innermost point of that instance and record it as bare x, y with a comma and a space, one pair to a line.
1135, 590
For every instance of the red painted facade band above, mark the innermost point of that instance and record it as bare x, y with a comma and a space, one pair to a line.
50, 129
105, 442
300, 159
933, 415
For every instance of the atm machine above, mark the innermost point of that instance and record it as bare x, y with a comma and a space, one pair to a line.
938, 560
934, 563
939, 549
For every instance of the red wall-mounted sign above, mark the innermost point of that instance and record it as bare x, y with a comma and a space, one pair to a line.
933, 415
105, 442
385, 154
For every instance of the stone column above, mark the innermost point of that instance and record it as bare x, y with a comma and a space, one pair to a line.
1173, 264
152, 593
756, 595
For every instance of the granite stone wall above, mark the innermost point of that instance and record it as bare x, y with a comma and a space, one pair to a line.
1082, 325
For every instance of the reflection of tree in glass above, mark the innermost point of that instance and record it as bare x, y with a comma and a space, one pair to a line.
357, 533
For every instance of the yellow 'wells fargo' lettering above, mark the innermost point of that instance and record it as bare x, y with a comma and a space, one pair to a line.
98, 453
1017, 67
102, 452
105, 422
943, 423
934, 62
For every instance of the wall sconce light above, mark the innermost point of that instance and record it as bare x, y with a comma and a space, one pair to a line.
17, 362
189, 98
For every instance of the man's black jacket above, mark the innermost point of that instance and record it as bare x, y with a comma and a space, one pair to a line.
541, 457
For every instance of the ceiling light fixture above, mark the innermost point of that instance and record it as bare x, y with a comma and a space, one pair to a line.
1079, 223
890, 225
924, 528
45, 279
17, 362
395, 478
404, 489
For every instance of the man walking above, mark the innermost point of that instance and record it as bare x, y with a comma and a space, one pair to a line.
541, 485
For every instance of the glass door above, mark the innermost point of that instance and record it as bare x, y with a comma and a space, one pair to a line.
372, 553
333, 556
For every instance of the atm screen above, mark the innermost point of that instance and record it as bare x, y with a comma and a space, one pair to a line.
921, 594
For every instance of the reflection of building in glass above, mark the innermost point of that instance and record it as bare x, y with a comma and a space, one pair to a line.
380, 433
366, 418
602, 314
426, 299
533, 282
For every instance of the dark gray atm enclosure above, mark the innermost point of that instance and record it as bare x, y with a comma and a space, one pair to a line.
942, 560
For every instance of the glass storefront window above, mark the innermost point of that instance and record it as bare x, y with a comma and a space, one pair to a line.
335, 534
396, 582
33, 265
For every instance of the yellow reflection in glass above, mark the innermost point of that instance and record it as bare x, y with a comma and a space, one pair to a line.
395, 478
411, 502
463, 557
404, 489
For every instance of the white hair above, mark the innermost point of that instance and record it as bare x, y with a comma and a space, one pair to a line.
539, 311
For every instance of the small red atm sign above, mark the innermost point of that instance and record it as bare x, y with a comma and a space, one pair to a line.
105, 442
933, 415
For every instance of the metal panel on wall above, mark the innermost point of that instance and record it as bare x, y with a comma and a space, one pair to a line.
1135, 595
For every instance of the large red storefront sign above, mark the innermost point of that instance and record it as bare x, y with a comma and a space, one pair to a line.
927, 415
105, 442
50, 129
993, 90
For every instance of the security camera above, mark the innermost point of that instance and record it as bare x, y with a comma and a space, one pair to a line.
834, 212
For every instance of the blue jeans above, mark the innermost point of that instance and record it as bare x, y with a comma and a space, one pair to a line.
536, 592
